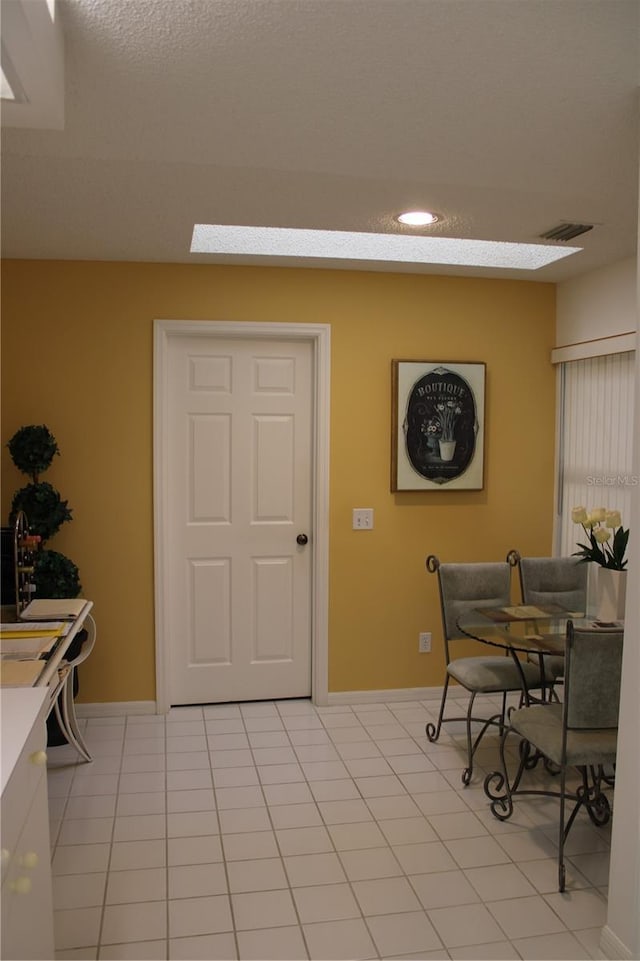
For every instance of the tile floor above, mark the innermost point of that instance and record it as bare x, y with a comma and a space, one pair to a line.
277, 830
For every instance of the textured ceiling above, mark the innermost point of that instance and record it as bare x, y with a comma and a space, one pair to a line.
505, 116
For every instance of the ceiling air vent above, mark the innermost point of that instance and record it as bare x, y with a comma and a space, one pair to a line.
566, 231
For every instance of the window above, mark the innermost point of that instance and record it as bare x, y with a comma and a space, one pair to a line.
595, 441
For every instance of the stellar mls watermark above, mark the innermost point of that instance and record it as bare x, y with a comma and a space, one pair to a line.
613, 480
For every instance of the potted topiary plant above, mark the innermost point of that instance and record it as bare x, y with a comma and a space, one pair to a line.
32, 450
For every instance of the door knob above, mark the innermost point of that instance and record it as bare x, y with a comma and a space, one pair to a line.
302, 539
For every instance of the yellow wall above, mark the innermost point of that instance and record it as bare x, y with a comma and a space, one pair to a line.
77, 356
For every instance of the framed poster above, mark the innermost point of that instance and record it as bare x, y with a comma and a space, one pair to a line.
437, 427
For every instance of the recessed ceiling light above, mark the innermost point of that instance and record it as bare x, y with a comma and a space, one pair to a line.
300, 245
418, 218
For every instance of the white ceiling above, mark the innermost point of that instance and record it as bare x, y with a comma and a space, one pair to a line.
506, 116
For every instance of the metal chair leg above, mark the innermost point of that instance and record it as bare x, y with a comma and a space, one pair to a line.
431, 730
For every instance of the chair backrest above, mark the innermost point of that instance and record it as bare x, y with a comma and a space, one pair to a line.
88, 645
593, 672
554, 580
464, 587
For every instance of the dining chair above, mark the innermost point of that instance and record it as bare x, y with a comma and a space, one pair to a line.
62, 703
552, 580
464, 587
580, 733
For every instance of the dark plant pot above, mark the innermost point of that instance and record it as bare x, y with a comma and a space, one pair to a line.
55, 737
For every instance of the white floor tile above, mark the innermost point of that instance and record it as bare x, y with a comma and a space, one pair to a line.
196, 850
465, 924
195, 916
191, 824
189, 780
263, 909
423, 858
344, 812
245, 847
146, 884
262, 738
153, 802
351, 837
554, 947
85, 831
287, 793
337, 940
137, 951
196, 880
244, 820
304, 841
280, 773
579, 909
295, 816
499, 881
342, 789
494, 951
272, 944
398, 934
325, 815
80, 859
140, 921
197, 800
396, 806
265, 874
76, 928
140, 827
525, 917
407, 830
205, 947
306, 869
325, 902
235, 777
189, 761
79, 891
370, 863
381, 786
442, 889
385, 896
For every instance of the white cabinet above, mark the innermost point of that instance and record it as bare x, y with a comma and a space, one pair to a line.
27, 900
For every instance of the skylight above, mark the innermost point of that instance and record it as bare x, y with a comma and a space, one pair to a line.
390, 248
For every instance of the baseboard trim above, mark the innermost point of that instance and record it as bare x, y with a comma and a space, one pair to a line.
393, 694
122, 708
612, 947
115, 708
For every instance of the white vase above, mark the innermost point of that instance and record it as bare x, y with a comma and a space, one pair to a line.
447, 449
612, 593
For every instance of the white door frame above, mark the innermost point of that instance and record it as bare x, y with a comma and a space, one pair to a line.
319, 335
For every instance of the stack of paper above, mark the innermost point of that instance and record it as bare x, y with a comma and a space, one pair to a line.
48, 608
19, 673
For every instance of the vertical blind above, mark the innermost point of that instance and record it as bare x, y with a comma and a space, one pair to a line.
595, 441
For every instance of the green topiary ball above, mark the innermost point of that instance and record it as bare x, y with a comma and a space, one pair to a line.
46, 511
55, 575
32, 449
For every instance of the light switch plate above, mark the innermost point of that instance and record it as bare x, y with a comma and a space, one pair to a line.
363, 518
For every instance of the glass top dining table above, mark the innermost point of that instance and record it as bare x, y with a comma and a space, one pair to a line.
527, 629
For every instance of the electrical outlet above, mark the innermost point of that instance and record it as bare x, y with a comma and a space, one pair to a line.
424, 642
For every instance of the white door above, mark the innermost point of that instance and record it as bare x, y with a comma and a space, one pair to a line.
239, 499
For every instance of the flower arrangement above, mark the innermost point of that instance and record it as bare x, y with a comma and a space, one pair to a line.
607, 537
448, 413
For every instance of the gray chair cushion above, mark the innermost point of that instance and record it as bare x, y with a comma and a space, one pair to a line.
490, 675
542, 726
